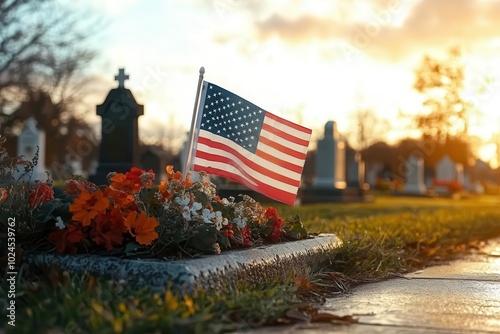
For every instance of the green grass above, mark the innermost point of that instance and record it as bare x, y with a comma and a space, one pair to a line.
391, 236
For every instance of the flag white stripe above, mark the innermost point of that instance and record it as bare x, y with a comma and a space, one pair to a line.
280, 155
255, 174
231, 169
288, 129
257, 160
277, 139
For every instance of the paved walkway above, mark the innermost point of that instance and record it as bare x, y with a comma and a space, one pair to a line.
460, 297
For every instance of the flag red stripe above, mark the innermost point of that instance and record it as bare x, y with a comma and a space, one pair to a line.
271, 192
288, 123
279, 162
281, 148
248, 162
284, 135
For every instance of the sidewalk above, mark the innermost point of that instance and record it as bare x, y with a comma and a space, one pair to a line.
459, 297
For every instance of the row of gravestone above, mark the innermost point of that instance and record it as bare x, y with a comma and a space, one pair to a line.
339, 172
449, 178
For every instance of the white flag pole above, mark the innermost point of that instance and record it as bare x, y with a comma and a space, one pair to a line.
193, 121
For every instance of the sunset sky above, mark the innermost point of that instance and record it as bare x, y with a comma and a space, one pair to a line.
309, 61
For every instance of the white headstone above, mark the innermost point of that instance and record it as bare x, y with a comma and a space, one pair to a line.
330, 159
415, 176
448, 171
29, 140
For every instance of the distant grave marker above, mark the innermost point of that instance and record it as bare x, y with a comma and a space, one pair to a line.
448, 175
330, 159
119, 148
414, 184
30, 138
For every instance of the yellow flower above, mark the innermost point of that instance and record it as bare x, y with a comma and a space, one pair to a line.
171, 301
190, 308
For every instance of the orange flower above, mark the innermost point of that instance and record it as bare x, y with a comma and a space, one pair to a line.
3, 195
163, 190
179, 185
87, 206
131, 182
142, 227
120, 182
120, 198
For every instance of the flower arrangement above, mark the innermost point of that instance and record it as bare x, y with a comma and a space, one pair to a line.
453, 186
134, 216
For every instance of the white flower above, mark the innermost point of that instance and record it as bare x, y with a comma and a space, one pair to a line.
218, 220
241, 222
182, 201
186, 213
59, 223
207, 216
218, 225
195, 207
225, 222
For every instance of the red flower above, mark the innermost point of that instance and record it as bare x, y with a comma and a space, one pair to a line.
271, 213
66, 239
41, 195
108, 229
246, 236
131, 182
74, 187
228, 230
276, 224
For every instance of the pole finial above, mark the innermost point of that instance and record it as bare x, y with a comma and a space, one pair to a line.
202, 70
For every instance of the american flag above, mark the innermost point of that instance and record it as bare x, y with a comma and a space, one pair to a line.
237, 140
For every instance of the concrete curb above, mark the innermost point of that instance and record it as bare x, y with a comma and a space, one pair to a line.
255, 265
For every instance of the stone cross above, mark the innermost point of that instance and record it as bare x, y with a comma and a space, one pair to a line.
121, 77
119, 148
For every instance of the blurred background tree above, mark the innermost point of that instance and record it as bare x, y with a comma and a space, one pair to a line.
441, 82
366, 128
44, 50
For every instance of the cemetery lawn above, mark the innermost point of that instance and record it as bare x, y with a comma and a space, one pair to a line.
389, 237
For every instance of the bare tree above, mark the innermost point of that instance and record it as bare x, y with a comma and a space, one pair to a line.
366, 128
44, 49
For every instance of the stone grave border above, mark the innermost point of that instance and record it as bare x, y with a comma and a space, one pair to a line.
261, 264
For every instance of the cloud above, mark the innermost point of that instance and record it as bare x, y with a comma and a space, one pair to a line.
300, 29
390, 29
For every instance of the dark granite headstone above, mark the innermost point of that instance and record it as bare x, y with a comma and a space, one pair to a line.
119, 149
355, 169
